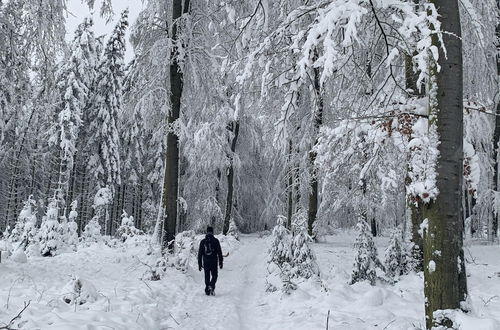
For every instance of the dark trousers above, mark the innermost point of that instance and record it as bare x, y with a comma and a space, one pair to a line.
210, 270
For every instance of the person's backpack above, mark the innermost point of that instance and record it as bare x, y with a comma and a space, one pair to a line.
208, 248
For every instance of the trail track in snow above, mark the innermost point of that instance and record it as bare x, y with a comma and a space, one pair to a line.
239, 284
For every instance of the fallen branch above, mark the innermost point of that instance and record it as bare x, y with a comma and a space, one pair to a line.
389, 324
486, 302
473, 259
18, 316
174, 319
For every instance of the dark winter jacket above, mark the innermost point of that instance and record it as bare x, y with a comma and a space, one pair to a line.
210, 252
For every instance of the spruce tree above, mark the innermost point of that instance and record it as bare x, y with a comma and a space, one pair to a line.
127, 228
280, 252
70, 235
132, 142
303, 258
365, 260
25, 216
92, 231
26, 224
49, 236
280, 256
74, 81
103, 132
394, 256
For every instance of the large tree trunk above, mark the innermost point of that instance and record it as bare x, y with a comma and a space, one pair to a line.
444, 278
235, 128
318, 121
171, 183
496, 136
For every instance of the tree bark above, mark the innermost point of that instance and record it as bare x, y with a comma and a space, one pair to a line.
443, 276
373, 223
171, 183
496, 135
318, 121
235, 128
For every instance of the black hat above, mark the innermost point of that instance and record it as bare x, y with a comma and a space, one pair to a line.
210, 230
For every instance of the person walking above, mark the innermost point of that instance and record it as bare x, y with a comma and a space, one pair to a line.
209, 255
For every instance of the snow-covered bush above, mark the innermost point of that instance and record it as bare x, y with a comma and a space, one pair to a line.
26, 217
5, 248
29, 236
233, 230
157, 270
102, 199
73, 214
48, 235
395, 260
303, 258
70, 232
185, 249
127, 228
366, 259
92, 231
78, 292
19, 256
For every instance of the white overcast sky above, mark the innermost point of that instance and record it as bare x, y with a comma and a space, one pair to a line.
77, 11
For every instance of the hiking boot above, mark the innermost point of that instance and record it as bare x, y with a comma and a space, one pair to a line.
210, 291
207, 291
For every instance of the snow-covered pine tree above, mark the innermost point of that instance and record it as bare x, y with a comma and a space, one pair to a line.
48, 235
131, 191
366, 259
280, 256
303, 258
25, 227
395, 260
70, 235
102, 199
74, 80
103, 134
73, 214
92, 231
127, 228
26, 215
82, 62
280, 251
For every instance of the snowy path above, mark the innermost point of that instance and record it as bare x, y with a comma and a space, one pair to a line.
239, 284
126, 300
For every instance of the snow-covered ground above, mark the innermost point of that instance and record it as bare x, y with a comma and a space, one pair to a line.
123, 300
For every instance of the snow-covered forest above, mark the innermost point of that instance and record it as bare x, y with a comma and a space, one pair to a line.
344, 151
